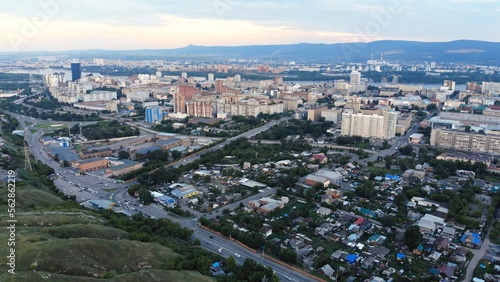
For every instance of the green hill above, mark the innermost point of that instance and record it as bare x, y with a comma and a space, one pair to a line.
152, 275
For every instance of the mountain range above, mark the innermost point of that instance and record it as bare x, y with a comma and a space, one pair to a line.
459, 51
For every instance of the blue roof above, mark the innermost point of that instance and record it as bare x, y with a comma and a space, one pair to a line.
476, 238
367, 212
392, 177
351, 258
400, 256
216, 264
374, 237
434, 271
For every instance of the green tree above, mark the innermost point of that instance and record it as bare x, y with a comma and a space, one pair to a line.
122, 155
231, 264
145, 196
412, 237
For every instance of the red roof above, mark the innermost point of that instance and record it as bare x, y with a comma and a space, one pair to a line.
359, 221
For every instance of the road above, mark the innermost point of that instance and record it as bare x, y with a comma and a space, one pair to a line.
210, 241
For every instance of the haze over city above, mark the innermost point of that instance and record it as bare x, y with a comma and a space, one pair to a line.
126, 25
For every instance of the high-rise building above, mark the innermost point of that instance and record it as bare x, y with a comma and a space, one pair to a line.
211, 77
154, 114
381, 126
219, 84
450, 84
355, 78
76, 71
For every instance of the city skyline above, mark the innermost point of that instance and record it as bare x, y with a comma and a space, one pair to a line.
56, 25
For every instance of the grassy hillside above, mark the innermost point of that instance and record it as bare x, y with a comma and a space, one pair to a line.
91, 257
143, 275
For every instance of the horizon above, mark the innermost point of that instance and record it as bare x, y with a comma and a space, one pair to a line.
63, 25
247, 45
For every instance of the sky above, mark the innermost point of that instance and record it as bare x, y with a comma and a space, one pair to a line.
56, 25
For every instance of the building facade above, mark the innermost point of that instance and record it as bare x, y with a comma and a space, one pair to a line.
76, 71
465, 141
381, 126
154, 114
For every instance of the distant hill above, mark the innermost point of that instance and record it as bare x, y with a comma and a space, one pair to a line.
460, 51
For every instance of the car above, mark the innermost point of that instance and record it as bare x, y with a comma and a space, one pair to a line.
237, 255
211, 237
288, 278
208, 243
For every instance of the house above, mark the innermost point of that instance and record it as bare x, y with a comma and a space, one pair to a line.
351, 258
320, 158
333, 176
418, 250
327, 270
446, 271
323, 211
266, 205
471, 239
443, 243
313, 180
448, 232
266, 230
428, 223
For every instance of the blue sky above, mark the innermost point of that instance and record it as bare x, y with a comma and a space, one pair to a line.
53, 25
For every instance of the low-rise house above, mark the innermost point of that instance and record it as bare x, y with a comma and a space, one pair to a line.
266, 205
266, 230
448, 232
471, 239
323, 211
327, 270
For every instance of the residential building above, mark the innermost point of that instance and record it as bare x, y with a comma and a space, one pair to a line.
465, 141
381, 126
154, 114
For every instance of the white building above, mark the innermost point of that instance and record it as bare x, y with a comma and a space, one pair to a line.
381, 126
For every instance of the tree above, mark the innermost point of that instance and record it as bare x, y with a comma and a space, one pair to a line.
231, 264
207, 179
145, 196
197, 242
412, 237
56, 158
122, 155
